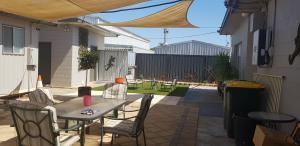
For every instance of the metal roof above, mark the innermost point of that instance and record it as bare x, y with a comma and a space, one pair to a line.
192, 47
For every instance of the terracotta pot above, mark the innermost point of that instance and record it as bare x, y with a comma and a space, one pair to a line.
119, 80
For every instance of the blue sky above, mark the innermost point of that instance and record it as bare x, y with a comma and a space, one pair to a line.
202, 13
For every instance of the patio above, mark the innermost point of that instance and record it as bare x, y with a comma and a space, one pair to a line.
192, 120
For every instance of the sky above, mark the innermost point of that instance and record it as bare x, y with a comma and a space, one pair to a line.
202, 13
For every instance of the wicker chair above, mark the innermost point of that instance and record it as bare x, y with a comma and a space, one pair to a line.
113, 90
127, 127
36, 125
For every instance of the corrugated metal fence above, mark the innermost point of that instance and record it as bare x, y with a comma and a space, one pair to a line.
182, 67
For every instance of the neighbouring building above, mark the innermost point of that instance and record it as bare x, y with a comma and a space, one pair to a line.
60, 42
59, 45
192, 47
263, 37
19, 54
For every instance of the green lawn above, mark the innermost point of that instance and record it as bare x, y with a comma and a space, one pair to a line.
180, 89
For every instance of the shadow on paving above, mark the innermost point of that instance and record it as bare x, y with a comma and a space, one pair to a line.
210, 123
165, 125
204, 98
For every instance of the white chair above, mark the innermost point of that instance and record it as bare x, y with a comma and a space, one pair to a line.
169, 85
36, 125
134, 82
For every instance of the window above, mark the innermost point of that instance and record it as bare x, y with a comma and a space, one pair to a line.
236, 56
13, 39
83, 37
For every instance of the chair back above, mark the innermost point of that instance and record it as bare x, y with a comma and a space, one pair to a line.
174, 82
35, 125
113, 90
42, 96
143, 111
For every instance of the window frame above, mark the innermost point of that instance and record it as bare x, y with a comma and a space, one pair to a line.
13, 49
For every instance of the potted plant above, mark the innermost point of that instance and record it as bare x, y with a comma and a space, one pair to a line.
119, 79
87, 60
224, 70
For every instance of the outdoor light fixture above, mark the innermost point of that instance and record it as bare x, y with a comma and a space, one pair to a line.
244, 14
66, 28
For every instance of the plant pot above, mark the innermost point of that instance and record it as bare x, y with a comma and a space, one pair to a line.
119, 80
84, 91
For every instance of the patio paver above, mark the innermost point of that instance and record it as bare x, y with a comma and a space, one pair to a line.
210, 123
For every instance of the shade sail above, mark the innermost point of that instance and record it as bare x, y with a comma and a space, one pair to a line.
51, 10
172, 17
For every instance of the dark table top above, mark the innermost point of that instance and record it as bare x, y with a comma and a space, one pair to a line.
71, 110
271, 117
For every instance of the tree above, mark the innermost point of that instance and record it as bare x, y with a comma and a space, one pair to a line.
87, 60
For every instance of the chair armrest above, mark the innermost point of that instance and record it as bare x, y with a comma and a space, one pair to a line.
112, 118
128, 110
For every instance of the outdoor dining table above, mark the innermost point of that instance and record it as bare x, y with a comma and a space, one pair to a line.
71, 110
271, 118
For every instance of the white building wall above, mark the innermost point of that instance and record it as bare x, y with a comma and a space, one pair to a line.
95, 39
13, 70
125, 38
61, 57
286, 25
241, 36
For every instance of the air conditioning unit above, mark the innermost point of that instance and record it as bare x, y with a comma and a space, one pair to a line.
260, 55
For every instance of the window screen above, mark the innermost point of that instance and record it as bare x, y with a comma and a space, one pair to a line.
7, 39
13, 40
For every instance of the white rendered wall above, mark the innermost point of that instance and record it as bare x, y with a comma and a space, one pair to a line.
14, 76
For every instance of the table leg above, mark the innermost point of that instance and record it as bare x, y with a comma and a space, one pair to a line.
82, 135
66, 125
101, 130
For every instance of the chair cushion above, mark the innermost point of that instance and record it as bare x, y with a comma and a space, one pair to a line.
68, 139
119, 127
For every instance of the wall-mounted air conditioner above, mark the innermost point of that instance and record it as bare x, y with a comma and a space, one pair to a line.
260, 54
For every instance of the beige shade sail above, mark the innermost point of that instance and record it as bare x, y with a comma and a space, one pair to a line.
52, 10
172, 17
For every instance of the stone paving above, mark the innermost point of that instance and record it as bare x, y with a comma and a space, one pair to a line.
166, 124
194, 120
210, 122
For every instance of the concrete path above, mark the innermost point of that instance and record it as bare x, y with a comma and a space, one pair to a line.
210, 122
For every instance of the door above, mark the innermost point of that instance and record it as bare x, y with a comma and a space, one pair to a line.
93, 72
45, 62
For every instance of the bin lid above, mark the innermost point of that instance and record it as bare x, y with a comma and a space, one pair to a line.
244, 84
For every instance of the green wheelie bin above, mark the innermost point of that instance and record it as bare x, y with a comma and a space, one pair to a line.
240, 97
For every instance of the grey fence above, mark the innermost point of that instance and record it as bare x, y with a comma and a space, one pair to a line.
190, 68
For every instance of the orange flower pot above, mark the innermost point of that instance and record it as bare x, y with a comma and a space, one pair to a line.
119, 80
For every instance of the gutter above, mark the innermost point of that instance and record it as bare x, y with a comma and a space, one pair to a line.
228, 12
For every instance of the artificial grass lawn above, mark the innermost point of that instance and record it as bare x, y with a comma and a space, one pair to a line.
179, 90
